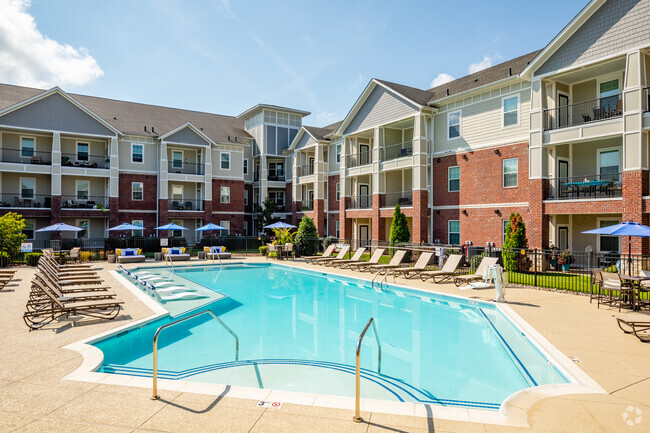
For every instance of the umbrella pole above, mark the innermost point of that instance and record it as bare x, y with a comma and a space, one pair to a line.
629, 255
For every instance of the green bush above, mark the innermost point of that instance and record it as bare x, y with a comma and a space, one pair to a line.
32, 258
612, 268
11, 234
476, 260
399, 230
515, 240
307, 237
329, 241
274, 254
263, 250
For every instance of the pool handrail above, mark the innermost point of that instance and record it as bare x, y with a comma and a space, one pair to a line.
154, 395
357, 408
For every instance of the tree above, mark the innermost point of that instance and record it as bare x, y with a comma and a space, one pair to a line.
399, 229
265, 215
307, 237
11, 234
515, 240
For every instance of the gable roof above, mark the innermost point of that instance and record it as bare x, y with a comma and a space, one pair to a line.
259, 107
132, 117
324, 132
419, 96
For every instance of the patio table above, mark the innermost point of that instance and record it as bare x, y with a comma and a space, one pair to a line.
636, 280
591, 184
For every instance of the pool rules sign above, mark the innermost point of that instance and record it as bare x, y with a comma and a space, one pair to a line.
272, 404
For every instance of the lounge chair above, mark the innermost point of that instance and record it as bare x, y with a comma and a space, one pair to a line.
355, 259
340, 256
50, 256
395, 262
38, 297
327, 253
175, 254
70, 288
448, 270
362, 264
130, 255
67, 274
174, 293
486, 262
419, 267
216, 253
640, 329
612, 283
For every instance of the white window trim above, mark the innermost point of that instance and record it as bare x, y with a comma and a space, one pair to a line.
449, 230
609, 149
141, 225
338, 229
182, 157
137, 144
76, 155
609, 77
21, 145
504, 224
20, 187
503, 111
76, 189
460, 124
229, 161
620, 243
77, 224
221, 195
226, 225
33, 227
449, 178
182, 192
338, 191
503, 173
132, 190
245, 166
245, 228
245, 197
339, 150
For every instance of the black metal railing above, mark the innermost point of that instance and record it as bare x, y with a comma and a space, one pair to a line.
646, 99
307, 205
9, 200
275, 175
185, 204
404, 199
395, 151
361, 202
584, 187
595, 110
25, 156
305, 170
85, 161
185, 168
359, 159
84, 202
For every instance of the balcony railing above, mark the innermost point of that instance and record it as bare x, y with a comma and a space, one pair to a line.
646, 99
305, 170
395, 151
361, 202
307, 205
26, 156
359, 159
280, 207
581, 113
8, 200
404, 199
586, 187
256, 176
275, 176
185, 168
185, 204
84, 202
84, 161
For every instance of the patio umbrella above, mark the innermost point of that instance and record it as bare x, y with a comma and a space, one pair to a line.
170, 226
210, 226
59, 227
280, 225
126, 226
629, 229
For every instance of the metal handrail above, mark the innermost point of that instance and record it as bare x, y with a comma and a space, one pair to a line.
357, 409
154, 395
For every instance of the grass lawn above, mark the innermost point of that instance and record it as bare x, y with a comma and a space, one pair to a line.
552, 280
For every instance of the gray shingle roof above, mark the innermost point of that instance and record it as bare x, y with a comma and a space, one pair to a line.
131, 117
418, 96
322, 133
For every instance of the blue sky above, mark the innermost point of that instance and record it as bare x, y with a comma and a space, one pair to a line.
225, 56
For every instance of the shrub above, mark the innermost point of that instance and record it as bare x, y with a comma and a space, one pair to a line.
32, 258
515, 240
307, 237
11, 234
86, 256
329, 241
399, 229
476, 260
263, 250
273, 254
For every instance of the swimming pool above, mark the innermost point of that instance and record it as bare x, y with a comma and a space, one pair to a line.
298, 331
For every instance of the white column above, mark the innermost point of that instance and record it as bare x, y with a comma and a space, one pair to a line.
56, 163
114, 181
207, 158
163, 187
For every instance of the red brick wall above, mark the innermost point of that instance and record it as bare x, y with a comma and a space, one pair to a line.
332, 202
149, 195
236, 195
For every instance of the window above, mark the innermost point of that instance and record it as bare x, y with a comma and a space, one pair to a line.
608, 243
338, 152
28, 231
245, 197
338, 229
277, 197
226, 226
139, 224
83, 225
82, 151
505, 227
27, 146
225, 161
27, 187
245, 166
338, 191
609, 95
177, 192
225, 194
454, 179
608, 164
177, 233
453, 124
511, 111
82, 187
177, 158
136, 191
245, 228
137, 153
510, 172
454, 232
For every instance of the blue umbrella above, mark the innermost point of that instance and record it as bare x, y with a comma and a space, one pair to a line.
59, 227
210, 226
629, 229
280, 225
170, 226
126, 226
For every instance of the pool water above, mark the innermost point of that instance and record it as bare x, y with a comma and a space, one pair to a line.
298, 331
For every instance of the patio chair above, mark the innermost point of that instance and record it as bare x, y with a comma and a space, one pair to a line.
596, 282
447, 271
486, 262
288, 250
640, 329
419, 267
612, 283
38, 298
362, 264
74, 254
188, 205
355, 258
328, 252
340, 256
270, 248
395, 262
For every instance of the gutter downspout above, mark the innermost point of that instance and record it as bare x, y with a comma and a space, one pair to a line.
431, 132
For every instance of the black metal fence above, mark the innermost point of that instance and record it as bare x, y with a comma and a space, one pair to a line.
594, 110
578, 187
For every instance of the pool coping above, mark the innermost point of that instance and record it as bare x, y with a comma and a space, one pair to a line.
513, 411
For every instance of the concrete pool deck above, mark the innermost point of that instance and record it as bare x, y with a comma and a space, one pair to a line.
34, 397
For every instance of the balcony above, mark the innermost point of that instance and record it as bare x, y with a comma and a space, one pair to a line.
275, 176
359, 159
185, 168
582, 113
8, 200
361, 202
280, 206
84, 161
307, 205
646, 99
404, 199
185, 205
395, 151
586, 187
305, 170
26, 156
84, 202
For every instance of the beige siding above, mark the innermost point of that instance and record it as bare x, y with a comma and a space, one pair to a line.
11, 140
334, 166
380, 108
69, 185
584, 91
150, 160
11, 183
236, 164
189, 155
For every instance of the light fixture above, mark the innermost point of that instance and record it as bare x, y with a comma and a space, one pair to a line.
464, 157
496, 211
464, 211
497, 152
438, 160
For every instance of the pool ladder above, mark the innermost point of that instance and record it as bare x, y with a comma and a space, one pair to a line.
357, 408
381, 282
154, 395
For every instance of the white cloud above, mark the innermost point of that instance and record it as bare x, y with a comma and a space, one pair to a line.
308, 39
441, 79
228, 13
357, 82
483, 64
29, 58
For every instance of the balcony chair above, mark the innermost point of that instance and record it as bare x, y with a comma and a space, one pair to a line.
176, 205
188, 205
